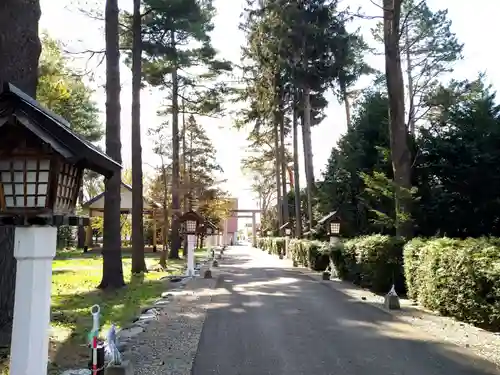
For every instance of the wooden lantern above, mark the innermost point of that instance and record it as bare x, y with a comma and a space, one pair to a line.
41, 168
190, 222
332, 222
41, 159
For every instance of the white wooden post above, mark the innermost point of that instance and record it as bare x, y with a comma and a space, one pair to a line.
35, 247
254, 230
225, 239
191, 243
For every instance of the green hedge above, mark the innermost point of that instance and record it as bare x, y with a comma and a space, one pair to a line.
374, 262
273, 245
312, 254
458, 278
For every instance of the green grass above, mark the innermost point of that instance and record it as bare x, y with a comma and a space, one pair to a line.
74, 292
75, 278
74, 281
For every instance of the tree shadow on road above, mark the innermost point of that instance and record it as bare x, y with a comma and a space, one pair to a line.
272, 320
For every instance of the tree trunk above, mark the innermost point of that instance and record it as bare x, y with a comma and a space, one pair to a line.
283, 169
400, 153
19, 43
277, 164
411, 94
184, 175
166, 228
18, 27
176, 243
306, 139
296, 167
138, 262
112, 270
347, 106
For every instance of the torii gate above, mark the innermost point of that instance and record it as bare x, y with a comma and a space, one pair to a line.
250, 213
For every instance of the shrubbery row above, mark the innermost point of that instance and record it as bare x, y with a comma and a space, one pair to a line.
458, 278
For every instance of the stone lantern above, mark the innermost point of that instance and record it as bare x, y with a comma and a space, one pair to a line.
41, 168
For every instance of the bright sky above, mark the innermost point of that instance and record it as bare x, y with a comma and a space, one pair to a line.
63, 20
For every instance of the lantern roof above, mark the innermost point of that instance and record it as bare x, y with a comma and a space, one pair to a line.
191, 215
286, 225
53, 130
211, 225
329, 217
97, 203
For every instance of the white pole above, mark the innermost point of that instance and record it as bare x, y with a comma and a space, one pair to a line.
191, 240
225, 239
35, 247
254, 230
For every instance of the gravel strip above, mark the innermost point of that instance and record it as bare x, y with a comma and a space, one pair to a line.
169, 343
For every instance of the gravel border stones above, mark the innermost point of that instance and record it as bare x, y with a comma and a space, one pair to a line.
164, 338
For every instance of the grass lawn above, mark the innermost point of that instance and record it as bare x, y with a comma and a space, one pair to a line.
74, 281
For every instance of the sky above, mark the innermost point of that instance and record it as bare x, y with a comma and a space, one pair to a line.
64, 20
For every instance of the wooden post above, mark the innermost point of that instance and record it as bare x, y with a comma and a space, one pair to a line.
254, 230
88, 235
35, 248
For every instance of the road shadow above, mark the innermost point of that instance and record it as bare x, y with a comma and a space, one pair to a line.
266, 319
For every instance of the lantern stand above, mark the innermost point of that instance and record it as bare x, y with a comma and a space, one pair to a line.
189, 226
332, 223
286, 229
209, 230
41, 168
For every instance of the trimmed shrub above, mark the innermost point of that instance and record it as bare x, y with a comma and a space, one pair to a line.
298, 251
337, 260
273, 245
411, 261
374, 262
318, 255
458, 278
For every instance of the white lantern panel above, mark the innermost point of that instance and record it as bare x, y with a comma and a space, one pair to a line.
190, 226
43, 177
19, 189
30, 189
30, 202
42, 189
7, 189
18, 176
9, 201
41, 202
335, 228
31, 177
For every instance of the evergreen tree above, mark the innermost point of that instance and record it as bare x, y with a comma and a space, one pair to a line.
428, 49
112, 269
175, 39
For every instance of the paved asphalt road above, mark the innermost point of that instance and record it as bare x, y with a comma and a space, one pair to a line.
266, 320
